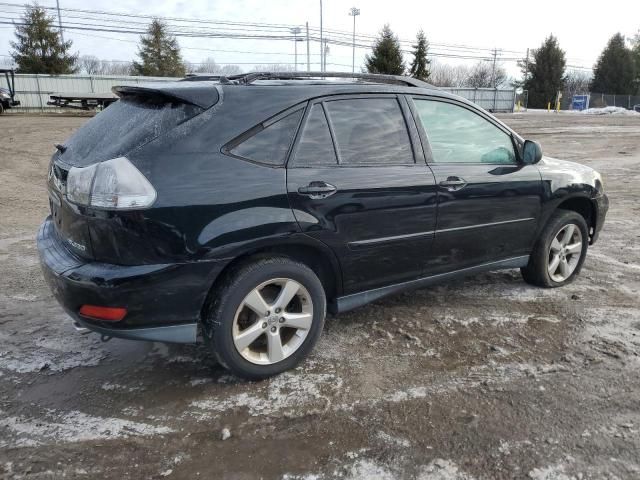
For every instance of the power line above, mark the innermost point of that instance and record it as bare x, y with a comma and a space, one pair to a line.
201, 28
284, 27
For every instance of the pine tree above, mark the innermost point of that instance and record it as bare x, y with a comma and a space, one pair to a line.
159, 53
614, 72
39, 48
420, 65
386, 56
545, 76
635, 50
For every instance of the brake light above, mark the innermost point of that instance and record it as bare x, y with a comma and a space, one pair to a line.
114, 184
107, 314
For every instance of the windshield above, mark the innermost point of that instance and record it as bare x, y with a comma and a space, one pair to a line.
123, 126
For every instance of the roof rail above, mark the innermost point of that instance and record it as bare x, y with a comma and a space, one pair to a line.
248, 78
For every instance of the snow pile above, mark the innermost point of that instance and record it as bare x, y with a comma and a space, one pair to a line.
609, 111
69, 427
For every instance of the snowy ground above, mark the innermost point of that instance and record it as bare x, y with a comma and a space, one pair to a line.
486, 378
588, 111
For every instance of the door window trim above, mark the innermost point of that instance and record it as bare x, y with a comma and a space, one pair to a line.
425, 138
404, 109
263, 125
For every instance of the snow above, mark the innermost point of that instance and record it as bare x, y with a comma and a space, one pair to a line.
73, 426
285, 392
609, 111
441, 469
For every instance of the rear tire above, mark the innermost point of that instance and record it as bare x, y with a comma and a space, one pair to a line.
1, 108
559, 252
265, 317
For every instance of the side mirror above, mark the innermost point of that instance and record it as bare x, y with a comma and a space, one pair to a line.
532, 152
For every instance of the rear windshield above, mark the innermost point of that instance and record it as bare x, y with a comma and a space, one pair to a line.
123, 126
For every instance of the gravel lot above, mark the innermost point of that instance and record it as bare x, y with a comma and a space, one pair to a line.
486, 378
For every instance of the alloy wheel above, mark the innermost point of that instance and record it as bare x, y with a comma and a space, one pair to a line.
564, 253
272, 321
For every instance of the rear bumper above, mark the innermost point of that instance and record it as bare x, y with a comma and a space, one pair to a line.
601, 205
163, 301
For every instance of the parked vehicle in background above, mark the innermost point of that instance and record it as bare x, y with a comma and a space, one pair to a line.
82, 101
7, 95
241, 209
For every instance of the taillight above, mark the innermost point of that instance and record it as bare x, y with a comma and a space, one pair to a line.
109, 314
113, 184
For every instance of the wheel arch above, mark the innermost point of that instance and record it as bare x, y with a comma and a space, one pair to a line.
581, 204
584, 206
304, 249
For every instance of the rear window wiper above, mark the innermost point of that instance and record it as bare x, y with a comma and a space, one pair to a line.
61, 148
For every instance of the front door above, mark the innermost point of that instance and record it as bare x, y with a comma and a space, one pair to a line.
488, 201
357, 181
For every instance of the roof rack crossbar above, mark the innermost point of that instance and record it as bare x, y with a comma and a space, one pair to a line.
248, 78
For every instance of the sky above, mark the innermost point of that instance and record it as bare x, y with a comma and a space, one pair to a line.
505, 25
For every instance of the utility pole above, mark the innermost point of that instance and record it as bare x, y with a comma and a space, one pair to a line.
295, 31
308, 54
354, 12
59, 20
493, 71
324, 56
526, 68
321, 42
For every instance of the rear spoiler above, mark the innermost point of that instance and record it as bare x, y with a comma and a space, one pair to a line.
201, 94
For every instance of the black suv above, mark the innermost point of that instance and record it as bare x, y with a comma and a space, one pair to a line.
238, 210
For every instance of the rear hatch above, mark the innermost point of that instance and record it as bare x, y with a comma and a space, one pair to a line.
142, 114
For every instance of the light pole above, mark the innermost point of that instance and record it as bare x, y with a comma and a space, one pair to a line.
59, 20
354, 12
296, 31
321, 42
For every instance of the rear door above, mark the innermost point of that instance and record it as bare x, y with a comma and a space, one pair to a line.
488, 201
357, 181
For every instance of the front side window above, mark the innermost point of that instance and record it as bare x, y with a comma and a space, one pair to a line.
370, 131
458, 135
271, 143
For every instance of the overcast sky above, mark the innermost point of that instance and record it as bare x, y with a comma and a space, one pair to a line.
507, 25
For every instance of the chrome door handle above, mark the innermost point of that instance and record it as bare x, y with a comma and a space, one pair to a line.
453, 183
318, 190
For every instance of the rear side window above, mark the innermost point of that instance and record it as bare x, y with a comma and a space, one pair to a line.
316, 147
125, 125
370, 131
271, 141
458, 135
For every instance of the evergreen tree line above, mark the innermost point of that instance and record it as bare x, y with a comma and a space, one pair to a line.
544, 73
39, 49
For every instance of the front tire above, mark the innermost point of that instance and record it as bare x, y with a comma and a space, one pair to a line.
560, 251
265, 317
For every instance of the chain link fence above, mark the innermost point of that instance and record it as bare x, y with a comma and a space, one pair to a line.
601, 100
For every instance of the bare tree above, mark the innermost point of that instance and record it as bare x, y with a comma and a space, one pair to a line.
576, 82
481, 75
229, 70
90, 65
209, 65
446, 75
274, 67
189, 67
116, 67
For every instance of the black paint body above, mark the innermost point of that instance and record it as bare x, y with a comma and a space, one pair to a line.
386, 226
